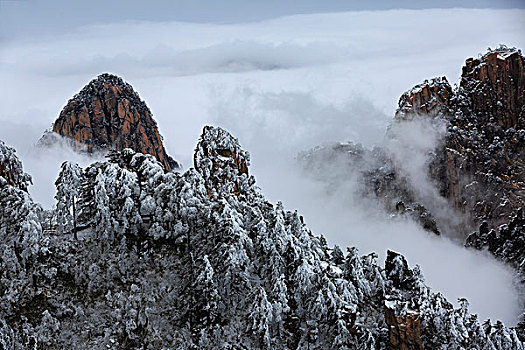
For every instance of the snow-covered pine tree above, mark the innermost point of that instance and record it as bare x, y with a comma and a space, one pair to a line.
260, 313
207, 294
21, 246
201, 260
103, 217
67, 195
11, 171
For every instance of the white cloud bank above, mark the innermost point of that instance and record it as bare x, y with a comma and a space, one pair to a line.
280, 86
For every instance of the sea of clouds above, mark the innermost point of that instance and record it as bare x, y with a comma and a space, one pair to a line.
281, 86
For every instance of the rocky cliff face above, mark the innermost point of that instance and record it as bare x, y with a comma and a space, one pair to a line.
376, 175
404, 330
479, 167
404, 324
495, 85
108, 114
430, 98
491, 90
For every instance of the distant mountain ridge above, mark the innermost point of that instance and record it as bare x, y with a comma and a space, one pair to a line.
107, 114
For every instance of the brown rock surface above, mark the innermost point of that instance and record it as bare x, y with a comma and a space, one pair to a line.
480, 167
491, 90
495, 85
7, 174
404, 324
109, 115
429, 98
404, 332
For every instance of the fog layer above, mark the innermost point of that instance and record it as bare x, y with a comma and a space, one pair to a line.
281, 86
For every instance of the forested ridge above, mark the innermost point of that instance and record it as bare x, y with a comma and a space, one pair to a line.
134, 257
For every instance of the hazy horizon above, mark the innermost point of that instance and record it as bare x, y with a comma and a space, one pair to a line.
20, 19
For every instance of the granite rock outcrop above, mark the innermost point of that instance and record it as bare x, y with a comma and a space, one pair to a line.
107, 114
477, 168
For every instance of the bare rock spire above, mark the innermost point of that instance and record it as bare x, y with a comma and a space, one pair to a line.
107, 114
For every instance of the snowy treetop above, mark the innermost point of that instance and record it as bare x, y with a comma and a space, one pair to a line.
11, 170
502, 50
221, 161
148, 259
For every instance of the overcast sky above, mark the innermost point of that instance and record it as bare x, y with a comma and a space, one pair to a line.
26, 19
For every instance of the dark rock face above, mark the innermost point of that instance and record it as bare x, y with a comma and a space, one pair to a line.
397, 270
404, 323
491, 90
430, 98
495, 85
404, 331
109, 115
376, 175
507, 244
480, 166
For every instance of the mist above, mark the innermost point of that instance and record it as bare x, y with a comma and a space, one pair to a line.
335, 207
281, 86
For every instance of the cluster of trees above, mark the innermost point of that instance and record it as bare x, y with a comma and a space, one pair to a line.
147, 259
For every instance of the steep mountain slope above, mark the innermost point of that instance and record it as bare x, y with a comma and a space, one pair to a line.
473, 168
107, 114
480, 166
201, 260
